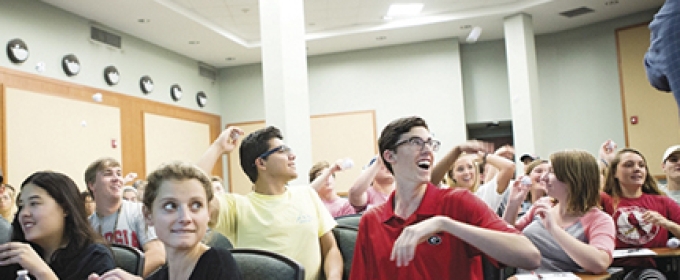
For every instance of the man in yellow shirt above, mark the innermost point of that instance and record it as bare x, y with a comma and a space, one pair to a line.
291, 221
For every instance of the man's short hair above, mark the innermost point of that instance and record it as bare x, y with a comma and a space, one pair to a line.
319, 166
253, 146
96, 166
393, 131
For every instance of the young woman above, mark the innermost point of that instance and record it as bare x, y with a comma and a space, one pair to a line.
7, 197
322, 179
176, 204
465, 174
51, 237
644, 216
573, 233
536, 191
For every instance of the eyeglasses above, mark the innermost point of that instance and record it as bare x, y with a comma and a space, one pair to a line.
419, 142
280, 149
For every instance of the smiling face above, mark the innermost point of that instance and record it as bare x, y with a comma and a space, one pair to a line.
465, 172
179, 213
411, 163
41, 217
108, 184
631, 171
6, 199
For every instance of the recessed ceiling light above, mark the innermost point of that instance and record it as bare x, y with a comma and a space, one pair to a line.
194, 42
143, 20
230, 58
380, 38
386, 18
411, 9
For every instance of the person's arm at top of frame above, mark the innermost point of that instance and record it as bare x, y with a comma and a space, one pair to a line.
224, 144
518, 193
607, 153
332, 259
506, 169
511, 249
319, 181
443, 165
491, 171
154, 256
357, 192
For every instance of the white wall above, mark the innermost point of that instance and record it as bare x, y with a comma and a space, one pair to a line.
51, 33
578, 76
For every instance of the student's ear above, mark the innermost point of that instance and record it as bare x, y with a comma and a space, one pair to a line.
259, 163
147, 216
389, 156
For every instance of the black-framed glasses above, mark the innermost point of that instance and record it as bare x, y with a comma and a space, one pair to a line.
419, 142
280, 149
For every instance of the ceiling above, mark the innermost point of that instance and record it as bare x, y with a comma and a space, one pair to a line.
225, 33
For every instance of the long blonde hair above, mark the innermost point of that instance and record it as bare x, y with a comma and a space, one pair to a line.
451, 181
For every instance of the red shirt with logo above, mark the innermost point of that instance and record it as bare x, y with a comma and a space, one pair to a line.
441, 256
631, 229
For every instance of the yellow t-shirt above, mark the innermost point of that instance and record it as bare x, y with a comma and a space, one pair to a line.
289, 224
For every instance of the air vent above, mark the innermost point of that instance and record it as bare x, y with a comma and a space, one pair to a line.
207, 71
105, 37
577, 12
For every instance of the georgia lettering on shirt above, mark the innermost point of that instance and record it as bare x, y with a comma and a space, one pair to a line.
121, 236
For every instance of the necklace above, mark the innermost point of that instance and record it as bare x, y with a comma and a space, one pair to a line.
115, 223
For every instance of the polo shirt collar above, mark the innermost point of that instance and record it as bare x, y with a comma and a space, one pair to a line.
427, 205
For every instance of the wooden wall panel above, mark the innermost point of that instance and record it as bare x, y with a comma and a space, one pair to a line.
131, 109
658, 126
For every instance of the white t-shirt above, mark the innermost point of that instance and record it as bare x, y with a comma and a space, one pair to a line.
488, 193
126, 227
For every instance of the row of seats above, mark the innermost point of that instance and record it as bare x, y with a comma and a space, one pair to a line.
254, 263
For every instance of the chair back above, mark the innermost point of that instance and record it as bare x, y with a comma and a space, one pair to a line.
128, 258
346, 238
349, 220
216, 239
266, 265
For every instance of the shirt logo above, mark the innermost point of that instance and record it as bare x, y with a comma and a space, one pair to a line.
434, 240
631, 228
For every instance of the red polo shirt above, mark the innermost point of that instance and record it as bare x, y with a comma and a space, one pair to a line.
442, 256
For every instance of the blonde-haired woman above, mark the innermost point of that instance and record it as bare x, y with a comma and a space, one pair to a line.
461, 165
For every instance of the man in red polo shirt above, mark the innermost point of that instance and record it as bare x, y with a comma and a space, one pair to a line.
423, 232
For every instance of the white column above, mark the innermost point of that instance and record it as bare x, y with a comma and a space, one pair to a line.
523, 82
284, 67
458, 122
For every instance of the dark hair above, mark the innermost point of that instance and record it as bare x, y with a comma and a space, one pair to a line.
176, 170
391, 133
612, 186
580, 172
84, 195
77, 228
96, 166
253, 146
319, 166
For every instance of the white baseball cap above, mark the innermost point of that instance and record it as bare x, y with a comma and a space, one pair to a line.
669, 152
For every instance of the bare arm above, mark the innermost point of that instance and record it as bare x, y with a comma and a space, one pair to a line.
224, 144
332, 259
491, 171
439, 170
357, 193
154, 256
508, 248
443, 165
518, 193
590, 258
506, 169
319, 181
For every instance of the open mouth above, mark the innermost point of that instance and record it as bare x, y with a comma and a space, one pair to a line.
424, 164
